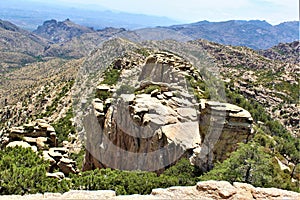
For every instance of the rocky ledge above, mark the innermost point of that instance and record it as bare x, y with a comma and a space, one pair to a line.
205, 190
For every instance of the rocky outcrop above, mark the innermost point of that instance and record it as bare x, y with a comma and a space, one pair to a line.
206, 190
286, 52
40, 135
161, 121
146, 123
59, 160
222, 190
222, 127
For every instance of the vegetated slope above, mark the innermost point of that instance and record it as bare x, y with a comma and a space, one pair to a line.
254, 33
269, 90
17, 46
36, 91
61, 31
271, 82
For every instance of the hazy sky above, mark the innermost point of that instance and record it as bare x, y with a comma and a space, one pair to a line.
273, 11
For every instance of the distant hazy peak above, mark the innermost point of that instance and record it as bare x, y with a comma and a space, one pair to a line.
63, 31
256, 34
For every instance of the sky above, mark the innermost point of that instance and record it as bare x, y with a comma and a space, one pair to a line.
273, 11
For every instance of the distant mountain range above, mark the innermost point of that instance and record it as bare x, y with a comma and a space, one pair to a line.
29, 15
255, 34
70, 40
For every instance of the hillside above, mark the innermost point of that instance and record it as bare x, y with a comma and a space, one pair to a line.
51, 40
273, 82
285, 52
252, 34
70, 40
18, 47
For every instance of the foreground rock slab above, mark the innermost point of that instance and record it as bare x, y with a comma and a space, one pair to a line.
205, 190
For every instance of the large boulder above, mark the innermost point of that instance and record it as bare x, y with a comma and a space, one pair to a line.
222, 127
37, 133
21, 144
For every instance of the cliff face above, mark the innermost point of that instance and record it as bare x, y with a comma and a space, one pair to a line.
222, 127
160, 122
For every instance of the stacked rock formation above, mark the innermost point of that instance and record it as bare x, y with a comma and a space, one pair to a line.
161, 121
41, 136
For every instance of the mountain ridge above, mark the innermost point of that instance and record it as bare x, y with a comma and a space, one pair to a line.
255, 34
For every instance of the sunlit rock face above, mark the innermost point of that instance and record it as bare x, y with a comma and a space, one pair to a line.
161, 121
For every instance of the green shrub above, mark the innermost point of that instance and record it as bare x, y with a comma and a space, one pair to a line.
136, 182
123, 182
125, 89
252, 164
111, 76
24, 172
184, 171
286, 143
78, 158
151, 88
103, 95
63, 127
144, 52
198, 84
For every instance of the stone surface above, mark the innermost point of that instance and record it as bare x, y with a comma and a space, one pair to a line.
185, 134
98, 105
67, 166
101, 194
206, 190
216, 189
222, 127
21, 144
103, 87
57, 175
